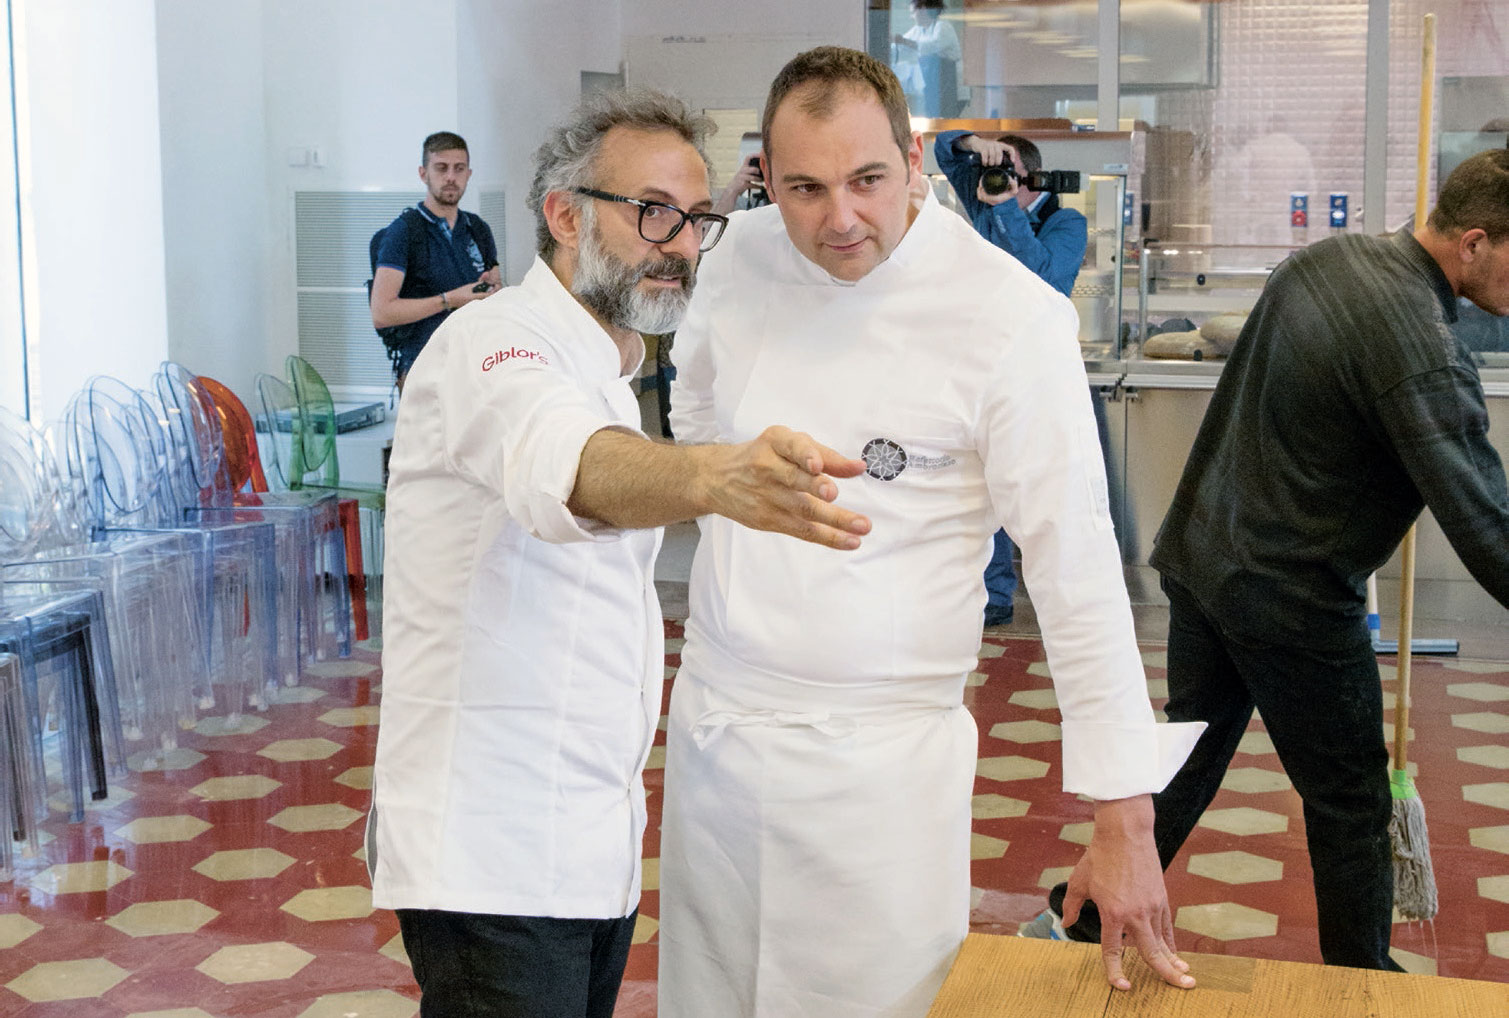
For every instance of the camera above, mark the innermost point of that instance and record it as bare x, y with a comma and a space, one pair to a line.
756, 194
997, 180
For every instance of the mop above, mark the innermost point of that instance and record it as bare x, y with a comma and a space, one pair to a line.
1414, 878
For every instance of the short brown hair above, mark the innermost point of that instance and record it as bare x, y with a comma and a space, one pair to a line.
828, 67
1475, 197
1032, 159
441, 141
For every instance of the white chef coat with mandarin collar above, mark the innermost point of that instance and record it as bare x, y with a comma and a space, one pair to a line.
956, 373
522, 646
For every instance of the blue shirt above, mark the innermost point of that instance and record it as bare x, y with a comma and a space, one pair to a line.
444, 258
1050, 240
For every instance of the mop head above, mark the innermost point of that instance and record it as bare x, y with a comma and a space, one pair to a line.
1414, 879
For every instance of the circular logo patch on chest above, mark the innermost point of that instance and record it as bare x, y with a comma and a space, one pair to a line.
884, 459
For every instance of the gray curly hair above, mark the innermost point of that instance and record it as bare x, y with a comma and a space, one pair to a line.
567, 158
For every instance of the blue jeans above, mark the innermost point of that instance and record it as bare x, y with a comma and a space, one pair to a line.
1324, 712
1000, 574
496, 966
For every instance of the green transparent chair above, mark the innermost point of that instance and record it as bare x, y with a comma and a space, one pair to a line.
313, 462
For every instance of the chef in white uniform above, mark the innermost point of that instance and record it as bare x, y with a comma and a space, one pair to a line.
815, 843
523, 650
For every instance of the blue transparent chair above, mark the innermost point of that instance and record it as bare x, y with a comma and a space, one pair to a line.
23, 798
214, 636
314, 594
64, 680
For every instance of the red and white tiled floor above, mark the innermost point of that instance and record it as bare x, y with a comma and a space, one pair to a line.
231, 883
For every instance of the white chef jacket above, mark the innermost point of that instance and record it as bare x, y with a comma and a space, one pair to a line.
821, 690
522, 646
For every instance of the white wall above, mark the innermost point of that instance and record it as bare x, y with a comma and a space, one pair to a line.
724, 54
215, 193
520, 67
12, 353
92, 193
363, 81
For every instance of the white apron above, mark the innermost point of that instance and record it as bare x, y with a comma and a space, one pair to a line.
797, 824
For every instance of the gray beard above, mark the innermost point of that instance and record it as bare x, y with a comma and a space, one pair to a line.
609, 287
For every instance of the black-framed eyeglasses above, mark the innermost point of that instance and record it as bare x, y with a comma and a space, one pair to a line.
659, 222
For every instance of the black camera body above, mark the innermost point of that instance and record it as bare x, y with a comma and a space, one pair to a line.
997, 180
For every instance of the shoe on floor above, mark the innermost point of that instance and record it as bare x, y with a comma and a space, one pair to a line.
1046, 926
998, 614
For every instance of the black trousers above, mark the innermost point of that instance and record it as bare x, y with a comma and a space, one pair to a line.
1324, 712
493, 966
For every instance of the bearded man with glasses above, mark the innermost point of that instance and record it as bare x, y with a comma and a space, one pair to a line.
523, 649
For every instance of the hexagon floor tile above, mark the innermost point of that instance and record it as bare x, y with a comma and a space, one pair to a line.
244, 864
355, 777
362, 1004
330, 816
80, 877
348, 669
239, 786
295, 750
1026, 731
1226, 921
242, 724
1485, 756
177, 1012
350, 717
156, 830
1253, 780
1492, 793
1494, 839
16, 928
67, 980
1010, 768
1236, 867
1244, 820
993, 807
180, 759
156, 918
325, 903
1487, 722
255, 963
983, 846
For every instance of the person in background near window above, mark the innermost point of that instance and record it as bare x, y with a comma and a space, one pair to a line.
434, 257
929, 63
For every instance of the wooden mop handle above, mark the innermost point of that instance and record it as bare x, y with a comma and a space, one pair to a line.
1406, 626
1427, 101
1407, 549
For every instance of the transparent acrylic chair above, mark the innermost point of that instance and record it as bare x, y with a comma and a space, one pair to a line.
244, 464
66, 683
219, 651
23, 796
146, 582
308, 523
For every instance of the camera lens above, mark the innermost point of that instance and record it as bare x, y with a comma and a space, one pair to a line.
996, 179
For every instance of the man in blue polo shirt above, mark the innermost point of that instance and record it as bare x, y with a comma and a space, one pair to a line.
434, 257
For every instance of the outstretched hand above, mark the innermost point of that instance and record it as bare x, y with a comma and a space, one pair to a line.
1120, 872
782, 481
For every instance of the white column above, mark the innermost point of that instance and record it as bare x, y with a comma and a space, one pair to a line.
91, 193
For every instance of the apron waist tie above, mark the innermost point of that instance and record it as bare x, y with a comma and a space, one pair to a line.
711, 726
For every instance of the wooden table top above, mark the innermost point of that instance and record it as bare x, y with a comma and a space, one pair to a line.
1017, 977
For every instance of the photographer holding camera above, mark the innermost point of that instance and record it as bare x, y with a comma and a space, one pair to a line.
1027, 224
994, 181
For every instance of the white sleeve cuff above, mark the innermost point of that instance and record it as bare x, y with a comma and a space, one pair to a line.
1107, 761
543, 511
